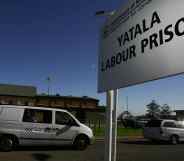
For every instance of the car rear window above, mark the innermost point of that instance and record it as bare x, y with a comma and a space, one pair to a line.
154, 123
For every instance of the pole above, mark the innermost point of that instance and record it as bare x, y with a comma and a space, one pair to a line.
127, 102
108, 132
114, 132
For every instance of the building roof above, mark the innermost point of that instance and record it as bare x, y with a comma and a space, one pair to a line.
70, 97
17, 90
31, 91
53, 96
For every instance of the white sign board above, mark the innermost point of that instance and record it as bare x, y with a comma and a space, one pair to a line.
141, 42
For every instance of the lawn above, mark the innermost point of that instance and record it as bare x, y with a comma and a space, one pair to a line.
100, 132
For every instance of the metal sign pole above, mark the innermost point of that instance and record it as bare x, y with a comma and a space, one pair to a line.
108, 132
114, 128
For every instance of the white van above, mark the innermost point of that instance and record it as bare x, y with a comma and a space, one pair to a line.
37, 126
168, 130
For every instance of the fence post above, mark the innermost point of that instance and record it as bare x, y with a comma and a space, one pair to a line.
99, 124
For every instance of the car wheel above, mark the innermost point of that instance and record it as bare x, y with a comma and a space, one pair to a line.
6, 143
81, 142
174, 139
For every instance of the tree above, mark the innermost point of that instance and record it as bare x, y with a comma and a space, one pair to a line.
165, 111
128, 120
126, 115
153, 109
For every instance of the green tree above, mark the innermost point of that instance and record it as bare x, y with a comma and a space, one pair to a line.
153, 109
165, 111
128, 120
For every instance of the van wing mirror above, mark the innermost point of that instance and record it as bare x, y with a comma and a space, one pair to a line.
72, 123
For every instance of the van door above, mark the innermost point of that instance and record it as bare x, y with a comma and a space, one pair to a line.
36, 127
66, 128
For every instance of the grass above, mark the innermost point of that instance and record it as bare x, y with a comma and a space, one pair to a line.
100, 132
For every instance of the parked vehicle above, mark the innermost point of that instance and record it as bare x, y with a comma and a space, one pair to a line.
38, 126
168, 130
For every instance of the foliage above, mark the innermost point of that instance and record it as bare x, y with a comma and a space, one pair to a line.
129, 121
165, 111
126, 115
153, 109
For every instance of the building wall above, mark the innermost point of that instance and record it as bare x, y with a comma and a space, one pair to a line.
84, 108
59, 102
79, 106
95, 117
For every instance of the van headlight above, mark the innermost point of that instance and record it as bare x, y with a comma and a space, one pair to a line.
90, 131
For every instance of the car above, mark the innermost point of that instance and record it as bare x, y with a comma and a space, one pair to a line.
166, 130
39, 126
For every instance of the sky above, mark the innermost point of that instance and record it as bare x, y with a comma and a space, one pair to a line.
60, 39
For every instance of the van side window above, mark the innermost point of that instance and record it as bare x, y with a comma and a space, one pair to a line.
37, 116
62, 118
169, 124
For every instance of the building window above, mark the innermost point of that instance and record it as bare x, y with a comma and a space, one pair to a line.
26, 103
10, 102
3, 102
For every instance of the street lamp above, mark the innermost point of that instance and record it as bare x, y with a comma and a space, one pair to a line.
104, 13
48, 79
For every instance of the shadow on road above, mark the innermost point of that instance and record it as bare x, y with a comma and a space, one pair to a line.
145, 142
45, 148
41, 157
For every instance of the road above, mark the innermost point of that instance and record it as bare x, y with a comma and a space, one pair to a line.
127, 151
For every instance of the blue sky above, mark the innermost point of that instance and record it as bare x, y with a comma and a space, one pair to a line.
41, 38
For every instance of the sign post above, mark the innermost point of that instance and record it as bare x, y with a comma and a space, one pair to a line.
111, 126
114, 127
108, 132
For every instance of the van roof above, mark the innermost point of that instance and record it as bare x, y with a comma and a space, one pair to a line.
32, 107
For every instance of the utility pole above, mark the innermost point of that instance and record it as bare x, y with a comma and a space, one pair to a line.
49, 85
127, 102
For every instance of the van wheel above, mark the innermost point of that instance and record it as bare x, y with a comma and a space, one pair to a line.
6, 143
81, 142
174, 139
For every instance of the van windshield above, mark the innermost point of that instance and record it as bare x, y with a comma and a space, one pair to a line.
154, 123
